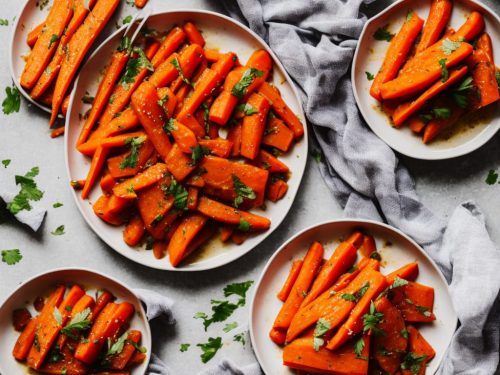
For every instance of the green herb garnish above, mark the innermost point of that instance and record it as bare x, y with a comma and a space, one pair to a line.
371, 320
369, 77
29, 192
239, 90
492, 177
242, 191
444, 70
179, 193
12, 102
450, 46
322, 327
59, 231
54, 38
383, 34
131, 160
175, 63
11, 257
210, 348
184, 347
413, 362
134, 65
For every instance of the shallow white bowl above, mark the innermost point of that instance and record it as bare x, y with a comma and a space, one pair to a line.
220, 32
40, 285
396, 250
368, 58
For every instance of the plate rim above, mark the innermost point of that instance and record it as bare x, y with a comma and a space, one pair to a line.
465, 148
299, 174
142, 311
354, 222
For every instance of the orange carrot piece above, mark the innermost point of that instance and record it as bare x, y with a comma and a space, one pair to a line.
239, 237
281, 108
46, 44
193, 34
34, 34
438, 18
153, 204
140, 3
436, 126
134, 231
484, 78
223, 65
368, 247
310, 267
86, 302
128, 188
103, 299
408, 272
178, 163
67, 365
192, 200
219, 147
290, 280
253, 126
224, 104
168, 99
278, 135
278, 336
230, 215
407, 109
100, 208
234, 135
152, 117
415, 301
189, 227
202, 89
95, 169
342, 258
485, 44
165, 228
120, 360
89, 148
272, 164
225, 232
159, 249
116, 205
276, 190
116, 165
57, 132
201, 238
172, 41
183, 136
212, 54
122, 123
416, 124
471, 28
418, 346
77, 48
397, 53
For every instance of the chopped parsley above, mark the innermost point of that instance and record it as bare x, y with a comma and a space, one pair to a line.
423, 310
244, 225
198, 153
239, 90
497, 76
441, 113
444, 70
210, 348
348, 297
206, 112
126, 20
57, 205
57, 316
12, 102
6, 163
238, 289
492, 177
29, 192
135, 144
409, 15
242, 191
175, 63
316, 155
179, 193
240, 337
425, 118
124, 45
460, 93
11, 257
117, 346
184, 347
404, 333
170, 126
322, 327
87, 98
78, 323
134, 66
59, 231
372, 319
359, 345
4, 22
413, 362
54, 38
230, 326
369, 77
383, 34
450, 46
398, 282
247, 109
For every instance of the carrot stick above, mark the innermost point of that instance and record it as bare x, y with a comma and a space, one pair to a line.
100, 208
229, 215
172, 41
27, 337
273, 165
57, 19
212, 54
397, 52
290, 280
117, 165
192, 200
120, 360
86, 302
104, 297
407, 272
342, 258
484, 78
153, 204
166, 227
471, 28
225, 232
182, 237
415, 301
416, 124
234, 136
50, 73
368, 247
224, 104
89, 148
484, 43
125, 121
407, 109
183, 136
95, 169
253, 126
106, 326
128, 188
436, 126
140, 3
223, 65
57, 132
278, 336
277, 135
203, 88
34, 34
438, 18
77, 48
193, 34
276, 190
178, 163
134, 231
159, 249
202, 237
168, 99
152, 117
425, 74
418, 346
281, 108
219, 146
310, 267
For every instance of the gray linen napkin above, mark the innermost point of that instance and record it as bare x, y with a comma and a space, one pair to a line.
365, 175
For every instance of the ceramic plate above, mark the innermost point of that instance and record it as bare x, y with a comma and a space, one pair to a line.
462, 139
220, 32
396, 250
38, 286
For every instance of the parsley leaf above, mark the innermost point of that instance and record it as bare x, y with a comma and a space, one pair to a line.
247, 109
206, 112
175, 63
371, 320
170, 126
240, 337
221, 310
398, 282
423, 310
4, 22
413, 362
409, 15
404, 333
210, 348
57, 205
179, 193
12, 102
59, 231
497, 76
492, 177
134, 65
238, 289
444, 70
230, 326
184, 347
322, 327
242, 191
369, 76
117, 346
54, 38
316, 155
441, 113
124, 45
78, 323
359, 345
460, 93
135, 144
11, 257
348, 297
244, 225
197, 154
239, 90
426, 118
6, 163
383, 34
57, 316
127, 19
87, 98
29, 192
450, 46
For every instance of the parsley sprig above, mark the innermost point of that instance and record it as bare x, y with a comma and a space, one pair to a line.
12, 102
383, 34
134, 66
322, 327
135, 144
29, 192
372, 319
79, 322
413, 362
11, 257
210, 348
240, 89
179, 193
242, 191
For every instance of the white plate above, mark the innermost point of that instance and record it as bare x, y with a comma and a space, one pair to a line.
368, 58
220, 32
396, 250
40, 285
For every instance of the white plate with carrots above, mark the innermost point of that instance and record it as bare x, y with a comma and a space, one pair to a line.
425, 79
73, 305
347, 295
205, 162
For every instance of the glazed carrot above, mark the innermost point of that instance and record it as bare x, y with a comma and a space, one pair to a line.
179, 82
262, 61
276, 190
57, 19
272, 164
277, 135
223, 65
471, 28
125, 121
86, 302
407, 109
140, 3
310, 267
183, 235
136, 359
438, 18
193, 34
407, 272
128, 188
77, 48
239, 237
95, 169
354, 323
89, 148
202, 237
437, 125
290, 280
330, 305
67, 365
212, 54
169, 100
416, 124
117, 64
427, 72
106, 326
356, 239
253, 126
152, 117
278, 336
34, 34
368, 247
134, 231
120, 360
397, 53
116, 205
100, 208
122, 165
166, 227
484, 78
104, 297
183, 136
179, 164
57, 132
65, 105
153, 204
281, 108
192, 200
80, 11
484, 43
172, 41
224, 104
301, 355
225, 232
230, 215
202, 89
342, 258
418, 346
48, 328
219, 146
221, 174
123, 90
415, 301
234, 135
159, 249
